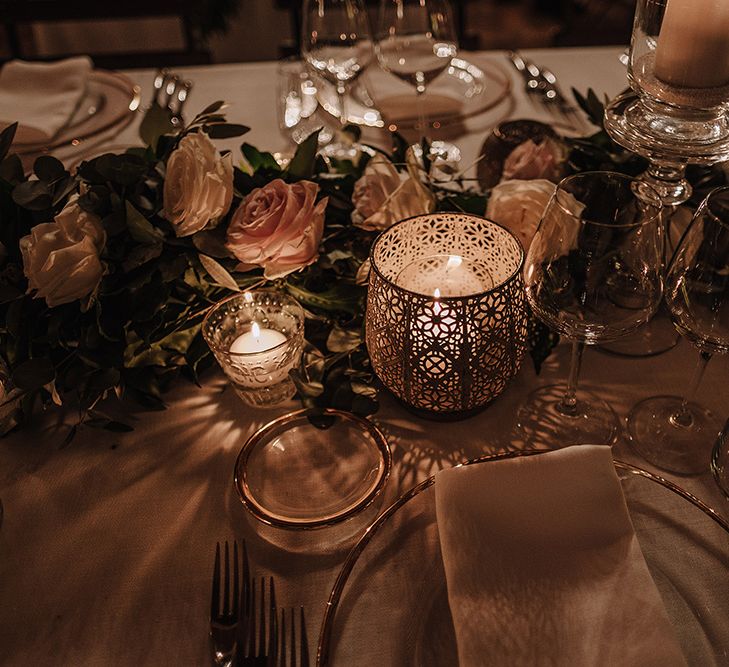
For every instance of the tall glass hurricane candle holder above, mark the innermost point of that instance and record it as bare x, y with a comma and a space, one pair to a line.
676, 112
257, 338
446, 316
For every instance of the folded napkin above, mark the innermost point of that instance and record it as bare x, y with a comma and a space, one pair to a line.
543, 566
41, 96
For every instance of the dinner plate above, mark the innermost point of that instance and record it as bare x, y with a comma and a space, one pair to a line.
389, 605
110, 102
466, 88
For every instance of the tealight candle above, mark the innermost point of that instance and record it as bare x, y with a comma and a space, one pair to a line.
256, 340
693, 44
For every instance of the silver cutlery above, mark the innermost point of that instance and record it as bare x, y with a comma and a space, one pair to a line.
170, 91
258, 629
225, 604
542, 83
293, 650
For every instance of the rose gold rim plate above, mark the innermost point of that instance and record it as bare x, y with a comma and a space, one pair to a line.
325, 636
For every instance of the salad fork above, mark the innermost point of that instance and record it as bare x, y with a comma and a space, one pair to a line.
224, 619
294, 646
258, 629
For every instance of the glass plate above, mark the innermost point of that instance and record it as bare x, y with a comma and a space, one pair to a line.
389, 605
110, 101
465, 89
312, 469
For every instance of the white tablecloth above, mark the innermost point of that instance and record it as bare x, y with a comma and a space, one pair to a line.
106, 547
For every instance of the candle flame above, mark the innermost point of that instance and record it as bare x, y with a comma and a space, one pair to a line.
256, 330
248, 296
436, 294
436, 305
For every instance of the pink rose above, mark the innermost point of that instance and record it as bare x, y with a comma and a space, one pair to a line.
61, 258
519, 206
278, 227
530, 161
198, 186
383, 196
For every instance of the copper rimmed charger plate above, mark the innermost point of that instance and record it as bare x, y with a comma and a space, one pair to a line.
110, 102
389, 604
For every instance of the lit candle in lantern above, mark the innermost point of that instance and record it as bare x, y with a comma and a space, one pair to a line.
693, 44
449, 275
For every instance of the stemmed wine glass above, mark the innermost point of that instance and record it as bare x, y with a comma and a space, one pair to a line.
672, 432
416, 41
337, 44
592, 273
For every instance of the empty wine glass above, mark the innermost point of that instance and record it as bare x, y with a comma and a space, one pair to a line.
337, 44
673, 432
416, 41
592, 273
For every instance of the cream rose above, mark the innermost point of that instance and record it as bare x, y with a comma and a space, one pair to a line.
530, 161
198, 187
382, 196
61, 258
519, 205
278, 227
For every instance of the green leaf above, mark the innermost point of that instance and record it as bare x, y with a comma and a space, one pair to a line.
306, 389
302, 164
343, 340
33, 374
141, 254
47, 168
218, 273
11, 170
156, 122
225, 130
6, 139
33, 195
259, 160
140, 228
212, 108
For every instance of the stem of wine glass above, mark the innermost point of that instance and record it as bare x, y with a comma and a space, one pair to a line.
419, 92
568, 403
684, 417
342, 95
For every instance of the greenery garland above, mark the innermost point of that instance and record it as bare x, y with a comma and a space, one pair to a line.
141, 327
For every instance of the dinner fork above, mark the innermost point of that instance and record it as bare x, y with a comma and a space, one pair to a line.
170, 91
293, 645
258, 629
224, 620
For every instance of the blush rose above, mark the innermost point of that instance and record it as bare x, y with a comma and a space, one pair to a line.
278, 227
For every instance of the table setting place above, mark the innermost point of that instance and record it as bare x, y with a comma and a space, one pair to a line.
292, 367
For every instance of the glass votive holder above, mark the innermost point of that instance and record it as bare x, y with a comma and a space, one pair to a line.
446, 320
257, 338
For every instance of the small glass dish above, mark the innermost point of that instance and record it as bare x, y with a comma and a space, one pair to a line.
312, 469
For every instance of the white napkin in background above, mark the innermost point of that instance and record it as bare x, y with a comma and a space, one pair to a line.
42, 97
543, 566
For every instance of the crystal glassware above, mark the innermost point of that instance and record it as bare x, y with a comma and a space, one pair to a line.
672, 432
337, 44
720, 460
257, 337
298, 107
676, 112
416, 41
592, 273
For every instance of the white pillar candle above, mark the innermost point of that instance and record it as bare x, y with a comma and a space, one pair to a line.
255, 354
451, 275
693, 44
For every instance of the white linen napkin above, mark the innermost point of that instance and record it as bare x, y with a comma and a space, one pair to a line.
42, 97
543, 566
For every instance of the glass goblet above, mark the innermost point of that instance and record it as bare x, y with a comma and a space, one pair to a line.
416, 41
337, 44
672, 432
592, 273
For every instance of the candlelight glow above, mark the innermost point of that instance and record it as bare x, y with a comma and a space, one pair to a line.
454, 261
256, 330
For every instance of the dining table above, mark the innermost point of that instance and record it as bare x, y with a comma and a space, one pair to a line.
107, 541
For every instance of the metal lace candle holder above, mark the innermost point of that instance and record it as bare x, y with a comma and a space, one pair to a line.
446, 316
676, 112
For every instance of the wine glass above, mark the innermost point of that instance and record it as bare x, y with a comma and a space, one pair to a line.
672, 432
416, 41
592, 273
337, 44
